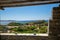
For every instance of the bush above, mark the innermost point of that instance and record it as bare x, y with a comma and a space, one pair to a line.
43, 29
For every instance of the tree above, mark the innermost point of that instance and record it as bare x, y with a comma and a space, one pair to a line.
2, 27
43, 29
14, 24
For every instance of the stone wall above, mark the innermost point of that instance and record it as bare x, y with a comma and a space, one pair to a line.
6, 37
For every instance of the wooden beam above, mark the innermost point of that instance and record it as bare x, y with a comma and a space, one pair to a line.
26, 3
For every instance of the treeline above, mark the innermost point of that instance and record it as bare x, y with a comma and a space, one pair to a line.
41, 28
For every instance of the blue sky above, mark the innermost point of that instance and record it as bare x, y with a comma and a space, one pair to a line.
39, 12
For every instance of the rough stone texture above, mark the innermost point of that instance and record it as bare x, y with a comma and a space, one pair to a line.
54, 30
54, 33
6, 37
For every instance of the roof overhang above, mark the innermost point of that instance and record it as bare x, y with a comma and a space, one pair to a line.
15, 3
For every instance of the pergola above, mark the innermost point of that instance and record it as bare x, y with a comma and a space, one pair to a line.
16, 3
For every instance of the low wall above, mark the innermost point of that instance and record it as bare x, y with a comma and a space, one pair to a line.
12, 37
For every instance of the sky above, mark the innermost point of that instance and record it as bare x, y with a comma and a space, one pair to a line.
38, 12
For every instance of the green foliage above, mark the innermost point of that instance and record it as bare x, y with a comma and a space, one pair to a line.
32, 27
2, 27
14, 24
14, 29
43, 29
40, 22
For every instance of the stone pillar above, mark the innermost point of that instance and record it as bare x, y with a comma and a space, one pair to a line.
54, 29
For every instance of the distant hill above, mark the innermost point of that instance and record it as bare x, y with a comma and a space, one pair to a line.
5, 22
